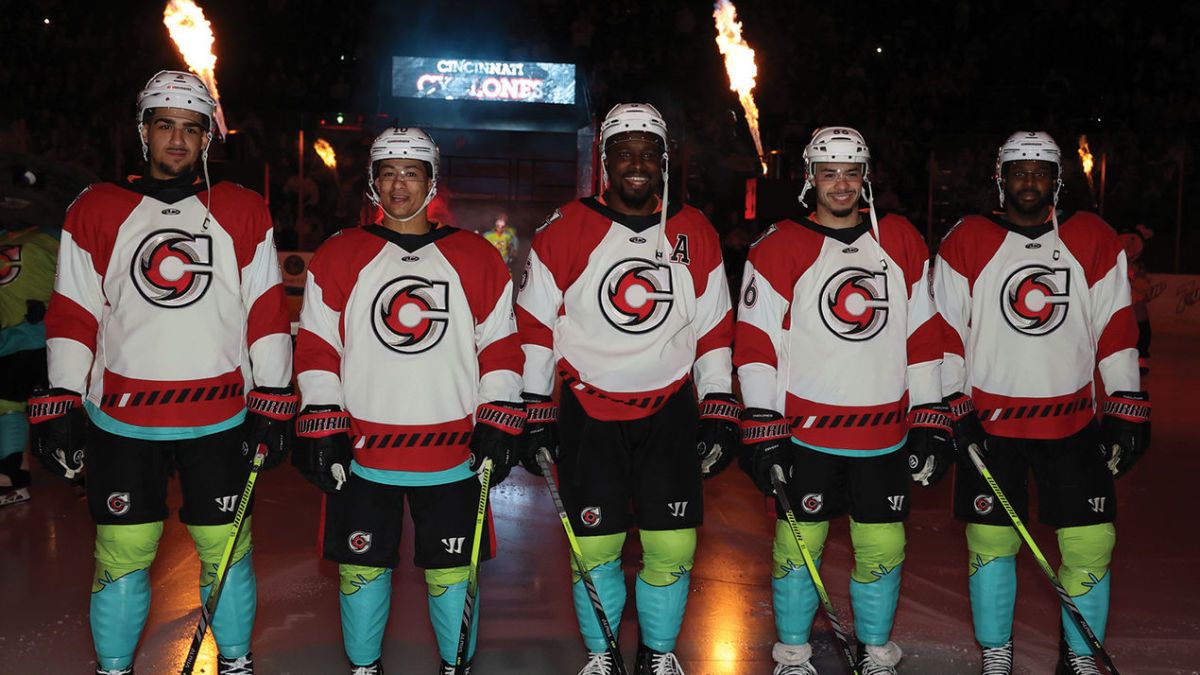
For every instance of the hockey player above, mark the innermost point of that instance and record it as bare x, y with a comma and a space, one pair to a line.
834, 340
409, 369
169, 318
26, 281
1035, 307
624, 295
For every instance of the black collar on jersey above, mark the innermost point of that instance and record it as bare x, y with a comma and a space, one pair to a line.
635, 223
847, 235
412, 242
1029, 231
167, 191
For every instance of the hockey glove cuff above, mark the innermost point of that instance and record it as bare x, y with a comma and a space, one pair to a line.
1125, 430
323, 453
57, 431
717, 440
541, 431
930, 444
765, 443
967, 429
498, 426
269, 413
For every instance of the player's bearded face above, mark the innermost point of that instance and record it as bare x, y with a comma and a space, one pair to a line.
1029, 186
634, 166
839, 186
175, 139
402, 185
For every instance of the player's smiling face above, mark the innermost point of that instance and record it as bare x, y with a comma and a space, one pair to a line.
634, 165
175, 138
402, 185
839, 186
1029, 186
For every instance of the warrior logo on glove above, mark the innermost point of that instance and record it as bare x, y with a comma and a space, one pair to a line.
1034, 299
854, 303
172, 268
636, 295
410, 314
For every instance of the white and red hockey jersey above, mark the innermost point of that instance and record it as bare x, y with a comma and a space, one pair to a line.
409, 334
836, 332
1026, 330
164, 317
625, 330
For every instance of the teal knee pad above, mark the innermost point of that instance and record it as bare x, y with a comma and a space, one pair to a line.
875, 582
1086, 555
14, 433
233, 621
662, 585
992, 581
364, 595
447, 594
602, 558
793, 593
121, 590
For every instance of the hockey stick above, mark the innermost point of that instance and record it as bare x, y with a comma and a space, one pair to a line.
1063, 597
778, 482
464, 633
210, 606
543, 460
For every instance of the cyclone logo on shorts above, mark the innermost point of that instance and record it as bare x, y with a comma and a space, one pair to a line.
812, 502
410, 314
1035, 298
590, 516
359, 542
854, 303
118, 503
10, 264
984, 504
172, 268
636, 295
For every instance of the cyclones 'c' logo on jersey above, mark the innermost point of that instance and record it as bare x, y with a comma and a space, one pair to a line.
854, 303
1035, 298
10, 263
172, 268
636, 295
410, 314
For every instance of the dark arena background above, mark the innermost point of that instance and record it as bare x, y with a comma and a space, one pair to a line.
513, 93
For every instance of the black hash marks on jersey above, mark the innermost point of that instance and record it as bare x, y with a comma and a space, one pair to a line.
172, 396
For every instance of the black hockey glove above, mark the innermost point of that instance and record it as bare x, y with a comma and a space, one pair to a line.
930, 445
1125, 429
498, 427
57, 432
323, 451
718, 438
967, 429
269, 413
541, 431
765, 444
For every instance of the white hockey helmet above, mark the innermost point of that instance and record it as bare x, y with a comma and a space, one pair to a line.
628, 117
1031, 145
404, 143
175, 89
836, 144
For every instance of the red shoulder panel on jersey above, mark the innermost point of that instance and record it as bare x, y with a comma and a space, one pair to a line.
784, 255
692, 240
94, 218
337, 263
563, 245
1093, 243
905, 245
970, 244
243, 214
480, 269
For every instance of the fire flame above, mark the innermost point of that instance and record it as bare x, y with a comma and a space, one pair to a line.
1085, 156
739, 63
325, 152
193, 37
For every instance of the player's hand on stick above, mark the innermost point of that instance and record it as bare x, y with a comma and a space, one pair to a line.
930, 444
541, 431
498, 427
269, 413
718, 439
323, 451
57, 432
1125, 430
765, 444
967, 429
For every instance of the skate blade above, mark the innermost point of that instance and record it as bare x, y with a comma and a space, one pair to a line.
14, 496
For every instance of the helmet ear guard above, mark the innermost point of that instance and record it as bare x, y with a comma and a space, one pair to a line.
404, 143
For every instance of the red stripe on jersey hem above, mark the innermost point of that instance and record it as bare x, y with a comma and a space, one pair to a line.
176, 403
1044, 418
411, 447
616, 406
68, 319
847, 427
